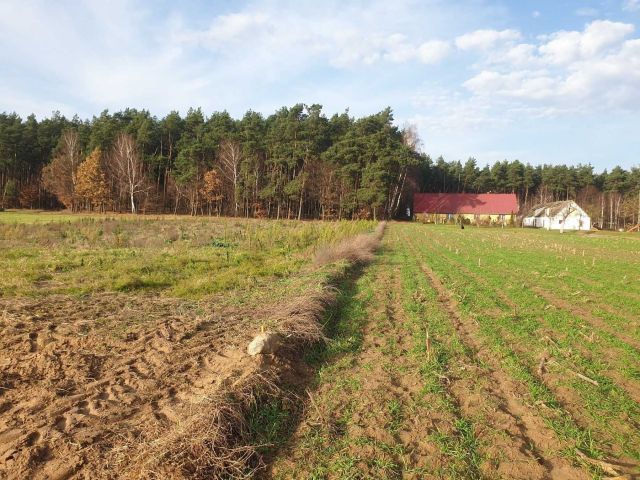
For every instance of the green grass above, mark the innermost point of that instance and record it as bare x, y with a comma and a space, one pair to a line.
269, 423
327, 451
395, 409
40, 217
43, 254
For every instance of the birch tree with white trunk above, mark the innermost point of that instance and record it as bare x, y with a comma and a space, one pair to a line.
230, 156
126, 163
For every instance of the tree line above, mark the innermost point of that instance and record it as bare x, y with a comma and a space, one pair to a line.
295, 163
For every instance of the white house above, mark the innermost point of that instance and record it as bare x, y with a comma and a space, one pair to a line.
565, 215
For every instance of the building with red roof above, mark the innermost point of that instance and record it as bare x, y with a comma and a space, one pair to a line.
477, 207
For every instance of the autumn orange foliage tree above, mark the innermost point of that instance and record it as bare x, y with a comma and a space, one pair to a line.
91, 184
211, 190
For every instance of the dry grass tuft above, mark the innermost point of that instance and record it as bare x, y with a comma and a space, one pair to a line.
211, 440
356, 250
300, 320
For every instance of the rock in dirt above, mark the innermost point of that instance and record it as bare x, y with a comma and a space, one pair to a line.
264, 343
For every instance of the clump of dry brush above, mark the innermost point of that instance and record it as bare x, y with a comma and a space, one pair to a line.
300, 320
355, 250
209, 441
213, 439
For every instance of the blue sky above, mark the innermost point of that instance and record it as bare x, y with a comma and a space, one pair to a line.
541, 81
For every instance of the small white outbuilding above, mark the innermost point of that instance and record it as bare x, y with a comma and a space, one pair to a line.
565, 215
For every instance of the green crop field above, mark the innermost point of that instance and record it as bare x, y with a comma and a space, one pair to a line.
481, 353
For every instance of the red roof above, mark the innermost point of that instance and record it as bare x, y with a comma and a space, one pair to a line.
475, 203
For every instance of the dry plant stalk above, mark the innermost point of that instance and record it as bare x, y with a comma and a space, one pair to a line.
607, 467
577, 374
543, 360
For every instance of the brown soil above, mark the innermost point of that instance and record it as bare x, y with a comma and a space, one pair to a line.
388, 374
77, 389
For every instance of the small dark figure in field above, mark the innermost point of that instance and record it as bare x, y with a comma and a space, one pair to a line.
461, 226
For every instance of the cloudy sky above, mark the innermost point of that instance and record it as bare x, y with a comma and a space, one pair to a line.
547, 81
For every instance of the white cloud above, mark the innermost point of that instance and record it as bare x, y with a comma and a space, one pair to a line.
521, 54
631, 5
596, 69
613, 80
535, 14
523, 84
343, 46
486, 39
433, 51
566, 47
224, 29
449, 109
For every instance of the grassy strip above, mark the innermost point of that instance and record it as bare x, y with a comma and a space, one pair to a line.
184, 258
327, 446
